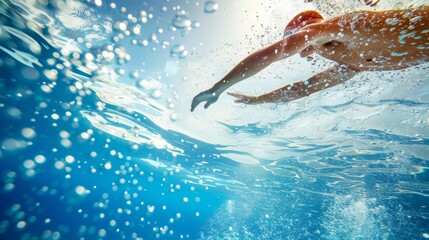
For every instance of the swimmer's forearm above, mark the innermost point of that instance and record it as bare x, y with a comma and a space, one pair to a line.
260, 59
248, 67
318, 82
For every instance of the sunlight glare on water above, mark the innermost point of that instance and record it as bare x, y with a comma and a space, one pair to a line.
98, 141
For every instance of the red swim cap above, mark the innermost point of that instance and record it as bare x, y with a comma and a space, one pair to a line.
295, 24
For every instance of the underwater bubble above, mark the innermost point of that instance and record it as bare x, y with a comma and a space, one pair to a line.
46, 88
30, 73
21, 224
112, 223
108, 165
148, 84
64, 134
176, 50
153, 37
11, 144
135, 74
210, 7
392, 21
186, 31
156, 93
89, 57
415, 19
85, 135
14, 112
8, 187
29, 164
425, 235
122, 26
51, 74
40, 159
81, 190
183, 54
150, 208
55, 116
59, 165
181, 21
70, 159
28, 133
102, 232
398, 54
136, 30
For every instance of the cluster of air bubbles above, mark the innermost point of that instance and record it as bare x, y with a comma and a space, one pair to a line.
210, 7
144, 16
178, 51
11, 144
150, 85
392, 21
109, 54
182, 22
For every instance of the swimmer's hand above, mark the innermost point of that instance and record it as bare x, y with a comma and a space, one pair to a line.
208, 96
241, 98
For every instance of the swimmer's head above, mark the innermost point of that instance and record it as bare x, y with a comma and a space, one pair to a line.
300, 20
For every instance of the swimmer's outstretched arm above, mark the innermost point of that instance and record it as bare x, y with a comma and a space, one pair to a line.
259, 60
329, 78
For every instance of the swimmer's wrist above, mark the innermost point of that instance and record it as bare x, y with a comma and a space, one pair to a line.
217, 90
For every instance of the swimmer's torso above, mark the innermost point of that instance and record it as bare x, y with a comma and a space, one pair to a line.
380, 41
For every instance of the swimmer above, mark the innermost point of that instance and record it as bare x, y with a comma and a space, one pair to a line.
358, 41
367, 2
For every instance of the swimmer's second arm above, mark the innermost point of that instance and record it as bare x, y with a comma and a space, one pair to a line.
252, 64
329, 78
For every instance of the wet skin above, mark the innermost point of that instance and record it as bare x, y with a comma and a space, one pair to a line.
358, 41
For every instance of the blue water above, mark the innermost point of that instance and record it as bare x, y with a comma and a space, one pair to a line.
97, 141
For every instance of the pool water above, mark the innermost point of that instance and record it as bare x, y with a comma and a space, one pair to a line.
97, 140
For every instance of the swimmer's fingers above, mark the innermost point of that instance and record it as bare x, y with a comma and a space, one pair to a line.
241, 98
207, 96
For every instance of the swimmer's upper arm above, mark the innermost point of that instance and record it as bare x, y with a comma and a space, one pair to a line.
291, 44
328, 31
311, 35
